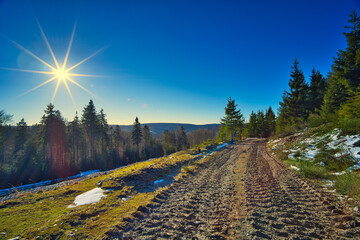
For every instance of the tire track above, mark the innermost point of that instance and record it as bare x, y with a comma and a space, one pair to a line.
243, 193
281, 205
196, 207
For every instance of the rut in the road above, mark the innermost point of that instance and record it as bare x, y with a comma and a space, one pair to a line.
281, 205
194, 207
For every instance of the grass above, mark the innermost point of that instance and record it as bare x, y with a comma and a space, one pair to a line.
325, 163
45, 213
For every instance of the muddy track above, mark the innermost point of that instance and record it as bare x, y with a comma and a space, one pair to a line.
243, 193
281, 205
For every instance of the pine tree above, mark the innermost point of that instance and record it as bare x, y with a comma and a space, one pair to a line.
271, 122
316, 91
55, 141
344, 79
294, 104
20, 134
252, 126
89, 120
76, 141
233, 121
136, 134
261, 124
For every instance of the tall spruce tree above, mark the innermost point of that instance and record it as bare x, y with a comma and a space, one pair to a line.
232, 122
271, 122
344, 78
252, 125
89, 120
20, 134
294, 105
136, 133
316, 91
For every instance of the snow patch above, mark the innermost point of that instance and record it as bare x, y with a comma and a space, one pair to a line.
221, 146
295, 168
328, 183
338, 173
158, 181
92, 196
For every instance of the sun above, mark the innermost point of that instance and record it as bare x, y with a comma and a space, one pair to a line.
58, 72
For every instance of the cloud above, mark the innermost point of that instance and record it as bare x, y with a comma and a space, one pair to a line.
128, 99
145, 105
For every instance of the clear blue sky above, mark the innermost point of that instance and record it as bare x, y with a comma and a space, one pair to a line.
166, 61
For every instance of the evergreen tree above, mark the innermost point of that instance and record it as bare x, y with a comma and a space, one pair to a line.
147, 139
294, 104
89, 120
261, 124
336, 95
136, 134
344, 78
55, 141
76, 142
252, 126
271, 122
351, 110
316, 91
232, 122
20, 135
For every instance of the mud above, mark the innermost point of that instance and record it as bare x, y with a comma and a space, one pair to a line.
243, 193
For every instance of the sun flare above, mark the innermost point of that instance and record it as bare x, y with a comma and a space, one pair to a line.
59, 73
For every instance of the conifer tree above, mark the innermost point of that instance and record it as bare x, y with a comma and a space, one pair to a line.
232, 122
344, 79
271, 122
261, 124
252, 126
316, 91
20, 134
136, 133
294, 104
89, 120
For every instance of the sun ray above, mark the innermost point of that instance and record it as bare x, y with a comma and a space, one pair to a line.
32, 54
83, 88
60, 73
26, 70
56, 89
82, 61
42, 84
71, 96
69, 47
83, 75
48, 45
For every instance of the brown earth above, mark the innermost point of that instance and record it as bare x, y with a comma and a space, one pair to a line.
243, 193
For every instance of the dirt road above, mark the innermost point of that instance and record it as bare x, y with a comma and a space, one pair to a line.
243, 193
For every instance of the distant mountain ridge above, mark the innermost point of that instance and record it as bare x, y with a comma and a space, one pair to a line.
158, 128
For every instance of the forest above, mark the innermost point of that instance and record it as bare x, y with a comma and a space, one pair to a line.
56, 148
334, 99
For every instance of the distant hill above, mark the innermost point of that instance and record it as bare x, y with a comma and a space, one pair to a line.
158, 128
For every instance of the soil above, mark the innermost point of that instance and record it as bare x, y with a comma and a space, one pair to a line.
243, 193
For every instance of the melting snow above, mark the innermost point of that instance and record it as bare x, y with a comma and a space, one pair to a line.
338, 173
92, 196
328, 183
294, 167
221, 146
125, 199
332, 141
158, 181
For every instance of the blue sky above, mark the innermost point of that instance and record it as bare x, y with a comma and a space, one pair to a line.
166, 61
